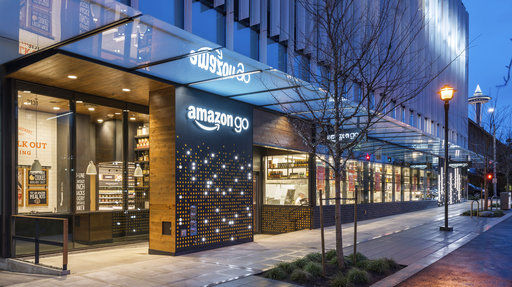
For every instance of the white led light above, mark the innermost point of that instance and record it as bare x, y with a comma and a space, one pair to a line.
193, 163
249, 227
229, 189
242, 167
232, 238
236, 215
231, 222
224, 219
215, 176
181, 219
206, 221
119, 223
193, 178
203, 239
217, 210
250, 214
180, 166
236, 157
236, 179
249, 165
217, 189
180, 223
205, 161
247, 208
188, 152
208, 186
193, 168
217, 230
206, 193
242, 193
223, 166
212, 155
223, 193
134, 230
181, 197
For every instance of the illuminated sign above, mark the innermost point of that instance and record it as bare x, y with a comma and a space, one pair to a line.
345, 136
210, 120
213, 62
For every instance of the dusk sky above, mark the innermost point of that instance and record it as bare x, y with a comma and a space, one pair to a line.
490, 31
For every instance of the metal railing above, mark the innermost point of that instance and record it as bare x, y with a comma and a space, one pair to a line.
37, 234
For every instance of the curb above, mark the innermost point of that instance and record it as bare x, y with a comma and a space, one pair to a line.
20, 266
426, 261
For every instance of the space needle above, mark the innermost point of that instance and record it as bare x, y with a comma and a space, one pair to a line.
478, 100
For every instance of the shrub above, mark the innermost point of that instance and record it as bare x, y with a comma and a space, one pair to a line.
379, 266
392, 264
301, 262
315, 257
359, 258
313, 268
339, 280
358, 276
286, 267
329, 255
300, 276
275, 273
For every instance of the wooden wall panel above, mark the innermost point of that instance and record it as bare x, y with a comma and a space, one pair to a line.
271, 129
162, 195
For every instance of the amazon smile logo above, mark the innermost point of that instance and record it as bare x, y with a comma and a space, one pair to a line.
210, 120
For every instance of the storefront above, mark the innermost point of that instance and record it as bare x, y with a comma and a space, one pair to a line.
168, 138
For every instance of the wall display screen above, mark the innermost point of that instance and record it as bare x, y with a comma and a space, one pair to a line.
213, 171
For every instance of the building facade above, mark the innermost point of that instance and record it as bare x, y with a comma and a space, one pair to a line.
154, 120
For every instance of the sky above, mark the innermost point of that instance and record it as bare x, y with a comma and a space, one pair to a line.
490, 34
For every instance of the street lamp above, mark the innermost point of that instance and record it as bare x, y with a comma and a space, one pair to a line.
493, 123
446, 94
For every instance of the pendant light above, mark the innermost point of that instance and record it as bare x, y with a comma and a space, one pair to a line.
36, 165
91, 169
138, 171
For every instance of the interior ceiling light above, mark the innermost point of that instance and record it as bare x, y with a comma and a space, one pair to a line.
118, 113
100, 121
126, 90
79, 101
26, 103
28, 92
133, 118
91, 109
73, 77
56, 108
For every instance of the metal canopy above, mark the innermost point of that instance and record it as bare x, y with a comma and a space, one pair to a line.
112, 33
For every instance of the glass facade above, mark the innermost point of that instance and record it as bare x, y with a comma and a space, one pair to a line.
170, 11
208, 23
276, 55
246, 41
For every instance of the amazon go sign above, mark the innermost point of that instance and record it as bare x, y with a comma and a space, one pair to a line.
210, 120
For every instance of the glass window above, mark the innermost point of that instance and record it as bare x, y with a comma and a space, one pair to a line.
353, 171
321, 183
398, 185
419, 195
377, 182
286, 181
43, 183
419, 122
99, 162
406, 183
208, 23
276, 55
411, 118
246, 41
388, 193
402, 111
170, 11
301, 67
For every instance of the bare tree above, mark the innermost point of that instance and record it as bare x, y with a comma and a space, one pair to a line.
368, 58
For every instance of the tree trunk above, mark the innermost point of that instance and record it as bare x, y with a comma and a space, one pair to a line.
337, 187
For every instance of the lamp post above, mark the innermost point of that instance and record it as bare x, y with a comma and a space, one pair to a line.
446, 94
494, 178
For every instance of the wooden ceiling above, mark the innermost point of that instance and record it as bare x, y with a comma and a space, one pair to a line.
92, 79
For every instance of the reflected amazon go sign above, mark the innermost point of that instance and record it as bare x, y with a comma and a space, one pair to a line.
213, 62
210, 120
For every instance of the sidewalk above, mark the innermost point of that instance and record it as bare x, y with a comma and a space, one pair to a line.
485, 261
405, 238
